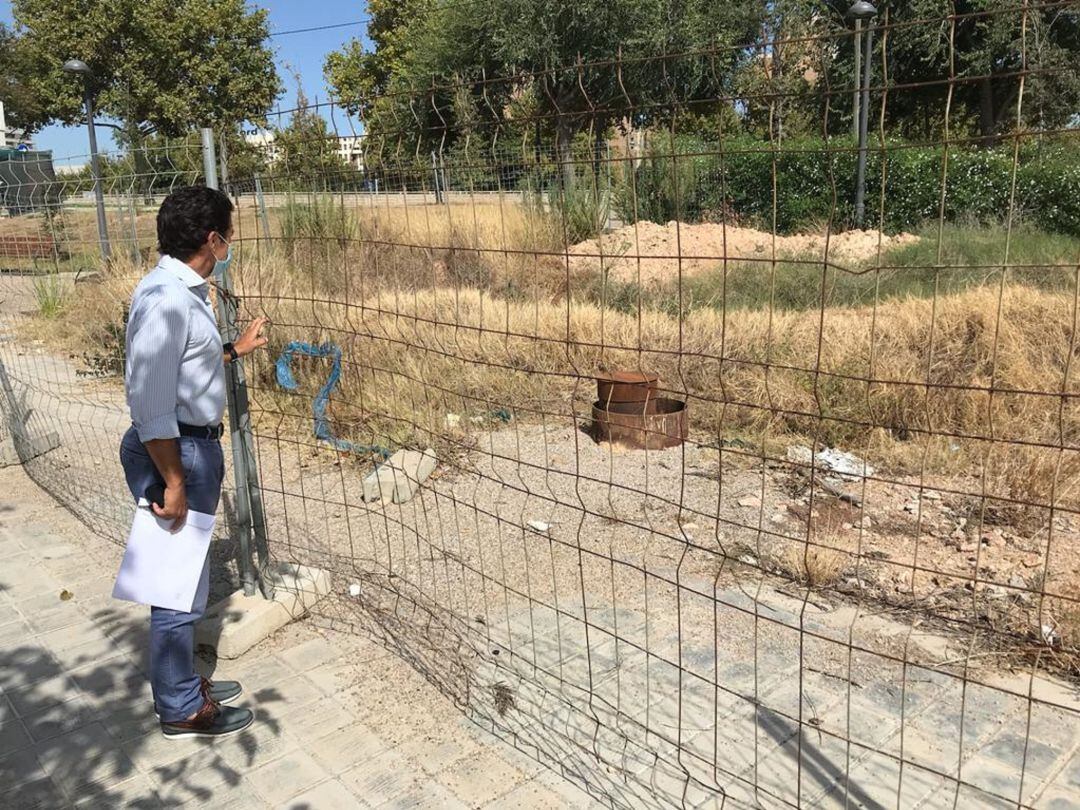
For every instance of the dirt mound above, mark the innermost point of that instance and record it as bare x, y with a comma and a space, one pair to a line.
658, 252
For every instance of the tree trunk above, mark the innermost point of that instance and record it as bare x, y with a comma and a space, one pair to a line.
598, 149
142, 181
564, 139
987, 121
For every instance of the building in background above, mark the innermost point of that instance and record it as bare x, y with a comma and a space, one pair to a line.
265, 142
351, 150
349, 147
10, 137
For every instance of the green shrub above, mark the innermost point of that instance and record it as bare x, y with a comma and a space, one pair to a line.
323, 218
577, 212
693, 180
678, 180
50, 294
316, 236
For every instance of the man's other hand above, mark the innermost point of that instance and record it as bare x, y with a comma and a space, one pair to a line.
175, 508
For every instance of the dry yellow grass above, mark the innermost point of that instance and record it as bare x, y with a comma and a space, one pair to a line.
469, 308
815, 567
913, 384
889, 382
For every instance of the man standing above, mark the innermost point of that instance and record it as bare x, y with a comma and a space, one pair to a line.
175, 381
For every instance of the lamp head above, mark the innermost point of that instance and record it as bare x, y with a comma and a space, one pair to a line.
861, 10
77, 66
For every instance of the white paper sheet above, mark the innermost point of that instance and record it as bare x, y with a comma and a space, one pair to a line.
161, 568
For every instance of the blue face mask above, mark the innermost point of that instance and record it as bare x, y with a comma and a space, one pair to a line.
221, 265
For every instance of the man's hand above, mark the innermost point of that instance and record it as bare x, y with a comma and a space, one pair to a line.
253, 338
175, 508
165, 454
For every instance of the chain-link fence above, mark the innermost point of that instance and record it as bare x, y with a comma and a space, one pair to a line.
754, 485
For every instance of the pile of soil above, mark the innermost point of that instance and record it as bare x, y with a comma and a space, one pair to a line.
658, 252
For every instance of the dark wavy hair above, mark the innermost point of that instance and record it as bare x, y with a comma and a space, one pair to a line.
187, 218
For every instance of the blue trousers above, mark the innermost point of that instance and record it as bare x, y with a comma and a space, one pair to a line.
173, 679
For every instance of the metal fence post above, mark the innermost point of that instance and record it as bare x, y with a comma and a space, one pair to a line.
435, 178
261, 202
133, 210
250, 517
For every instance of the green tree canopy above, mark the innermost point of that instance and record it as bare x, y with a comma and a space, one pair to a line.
438, 69
988, 48
424, 46
21, 108
308, 151
164, 65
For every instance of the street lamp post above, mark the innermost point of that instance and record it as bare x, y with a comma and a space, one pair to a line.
79, 67
861, 12
858, 79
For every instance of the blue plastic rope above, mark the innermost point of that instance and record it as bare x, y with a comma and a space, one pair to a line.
319, 405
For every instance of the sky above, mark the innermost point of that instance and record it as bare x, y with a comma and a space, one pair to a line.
304, 52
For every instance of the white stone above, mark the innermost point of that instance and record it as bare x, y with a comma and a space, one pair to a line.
398, 478
800, 454
539, 526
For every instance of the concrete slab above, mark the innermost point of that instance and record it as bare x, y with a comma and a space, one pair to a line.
238, 622
29, 449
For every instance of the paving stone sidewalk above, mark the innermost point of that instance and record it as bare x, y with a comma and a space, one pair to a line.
341, 723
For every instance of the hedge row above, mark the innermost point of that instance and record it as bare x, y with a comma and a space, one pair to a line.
693, 181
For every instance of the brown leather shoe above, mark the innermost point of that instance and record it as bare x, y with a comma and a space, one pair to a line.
212, 720
217, 691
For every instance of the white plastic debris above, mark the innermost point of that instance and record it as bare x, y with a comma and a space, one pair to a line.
354, 589
539, 526
843, 464
1050, 636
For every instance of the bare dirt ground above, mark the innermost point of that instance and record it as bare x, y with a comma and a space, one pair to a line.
648, 252
597, 603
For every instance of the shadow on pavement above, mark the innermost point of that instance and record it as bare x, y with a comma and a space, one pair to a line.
78, 724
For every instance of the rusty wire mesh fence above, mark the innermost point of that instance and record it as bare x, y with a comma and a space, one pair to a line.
745, 494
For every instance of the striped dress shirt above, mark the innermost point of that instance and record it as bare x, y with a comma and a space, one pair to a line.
175, 369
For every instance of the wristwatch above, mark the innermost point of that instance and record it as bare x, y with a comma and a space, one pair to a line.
231, 351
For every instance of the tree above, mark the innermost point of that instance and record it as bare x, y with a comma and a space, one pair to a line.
361, 75
21, 107
547, 50
991, 44
158, 65
308, 152
970, 53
